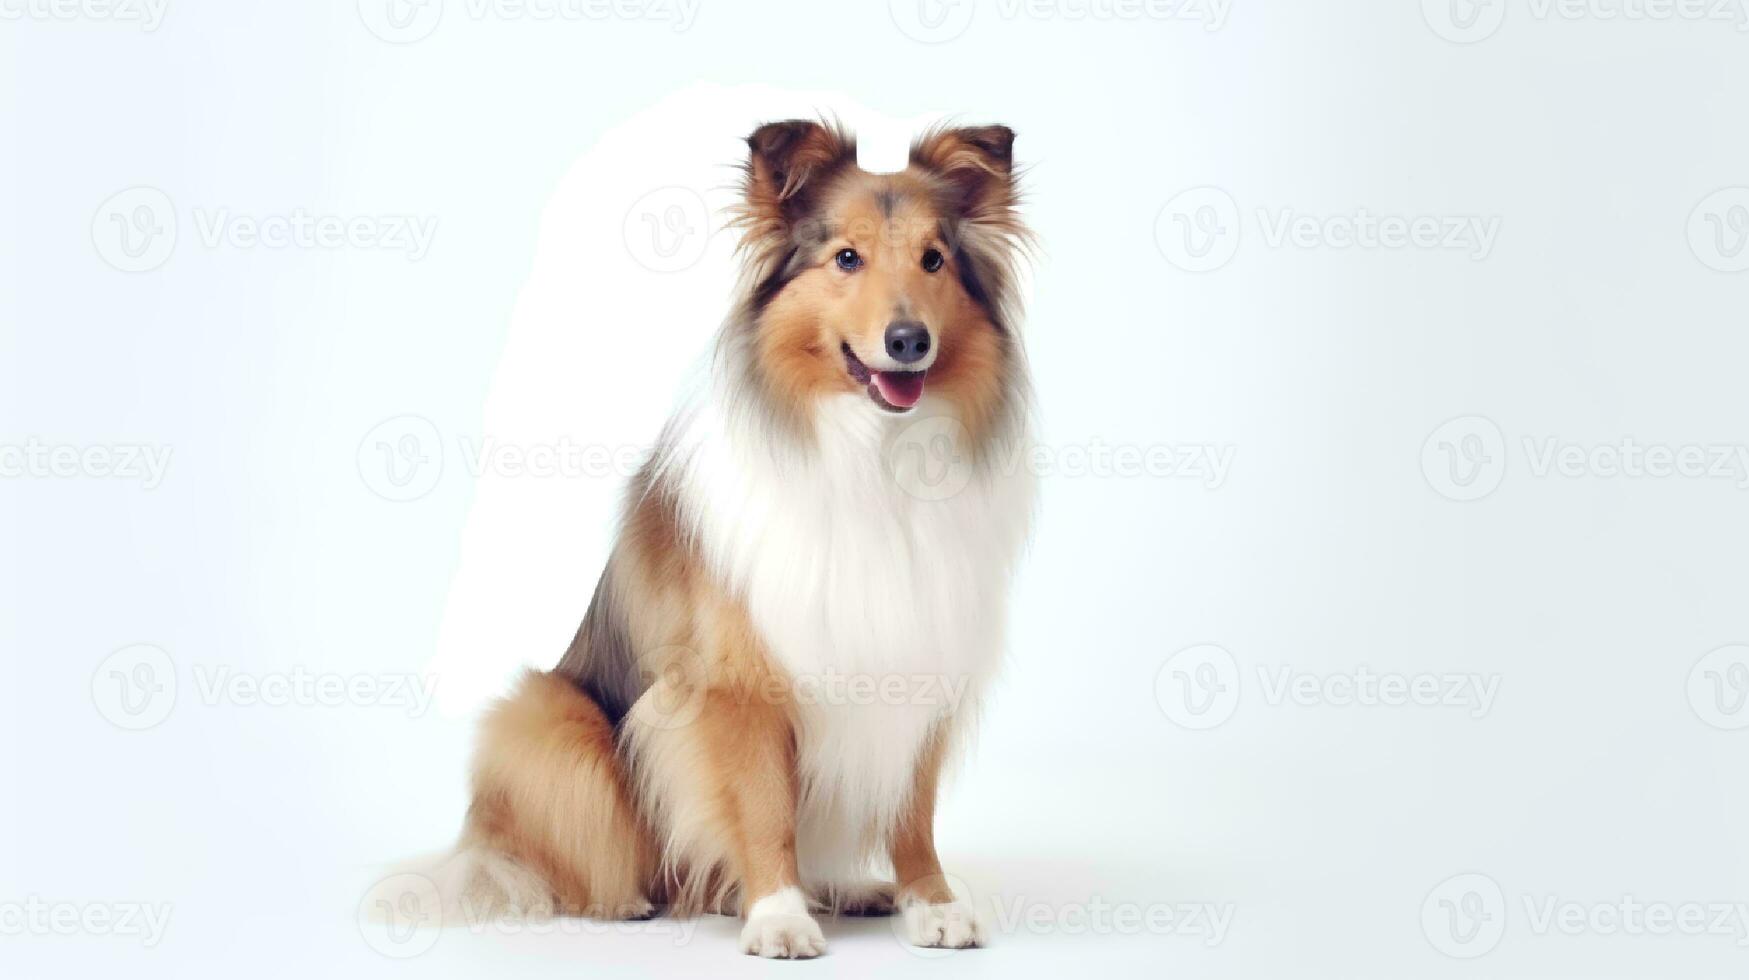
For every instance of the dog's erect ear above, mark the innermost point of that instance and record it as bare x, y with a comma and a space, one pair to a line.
973, 169
785, 161
976, 164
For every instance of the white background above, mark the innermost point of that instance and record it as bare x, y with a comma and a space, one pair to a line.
1607, 306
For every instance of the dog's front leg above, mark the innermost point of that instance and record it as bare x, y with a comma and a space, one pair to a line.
751, 746
713, 742
934, 915
757, 743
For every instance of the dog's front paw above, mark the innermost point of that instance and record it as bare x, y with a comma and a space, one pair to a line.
944, 925
779, 927
785, 937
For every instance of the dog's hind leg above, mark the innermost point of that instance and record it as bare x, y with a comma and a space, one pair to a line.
551, 796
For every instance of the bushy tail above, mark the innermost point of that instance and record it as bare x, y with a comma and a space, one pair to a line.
468, 885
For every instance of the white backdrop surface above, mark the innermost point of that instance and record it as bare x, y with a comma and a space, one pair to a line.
1385, 613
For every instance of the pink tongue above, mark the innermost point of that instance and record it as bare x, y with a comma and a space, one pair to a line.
901, 389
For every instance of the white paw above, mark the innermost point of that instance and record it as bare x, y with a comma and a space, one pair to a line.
948, 925
786, 937
778, 926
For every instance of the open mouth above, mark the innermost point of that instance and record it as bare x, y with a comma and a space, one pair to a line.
894, 391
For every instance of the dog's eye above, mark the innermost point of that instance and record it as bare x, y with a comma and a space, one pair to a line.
932, 261
848, 260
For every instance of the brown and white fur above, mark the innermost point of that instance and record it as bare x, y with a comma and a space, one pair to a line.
671, 757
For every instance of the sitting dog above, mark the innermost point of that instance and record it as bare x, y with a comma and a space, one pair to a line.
807, 593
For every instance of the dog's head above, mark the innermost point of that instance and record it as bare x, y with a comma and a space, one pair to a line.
894, 287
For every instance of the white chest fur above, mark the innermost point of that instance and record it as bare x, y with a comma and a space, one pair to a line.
879, 587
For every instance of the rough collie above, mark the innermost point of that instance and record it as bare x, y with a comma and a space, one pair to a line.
807, 592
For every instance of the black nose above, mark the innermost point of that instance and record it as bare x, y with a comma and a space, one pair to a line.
907, 341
